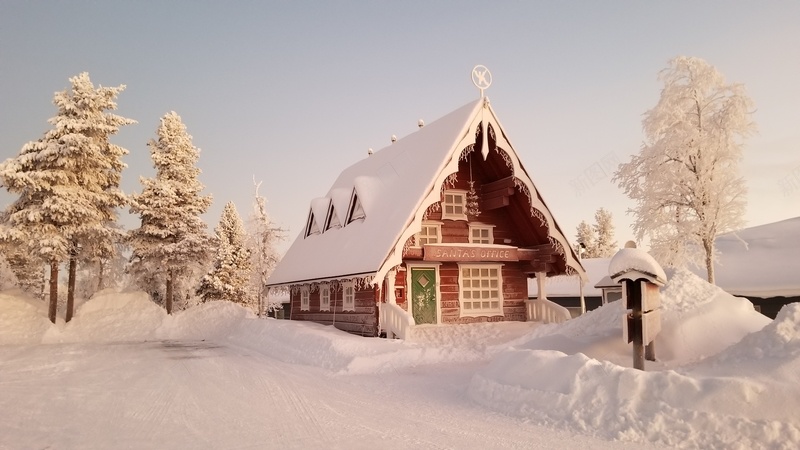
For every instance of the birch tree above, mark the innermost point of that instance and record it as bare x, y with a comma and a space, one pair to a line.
263, 237
171, 243
685, 180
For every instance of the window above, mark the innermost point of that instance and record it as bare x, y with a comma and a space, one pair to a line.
481, 290
429, 234
304, 299
481, 234
312, 227
454, 204
356, 210
349, 303
325, 297
333, 220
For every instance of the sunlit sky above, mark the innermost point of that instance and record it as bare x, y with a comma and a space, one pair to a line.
293, 92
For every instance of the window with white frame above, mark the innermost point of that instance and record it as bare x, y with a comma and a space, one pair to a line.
429, 234
481, 234
305, 299
325, 297
454, 205
481, 289
349, 296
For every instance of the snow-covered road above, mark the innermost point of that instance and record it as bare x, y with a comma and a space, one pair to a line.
185, 394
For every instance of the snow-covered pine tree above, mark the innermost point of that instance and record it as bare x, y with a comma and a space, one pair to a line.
604, 229
85, 127
586, 235
28, 273
229, 276
68, 182
685, 180
263, 236
171, 242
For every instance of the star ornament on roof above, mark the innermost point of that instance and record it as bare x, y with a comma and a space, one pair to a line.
481, 77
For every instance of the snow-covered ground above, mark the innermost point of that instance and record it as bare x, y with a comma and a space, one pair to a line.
123, 374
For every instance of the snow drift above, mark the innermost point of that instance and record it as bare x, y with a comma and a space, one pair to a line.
725, 375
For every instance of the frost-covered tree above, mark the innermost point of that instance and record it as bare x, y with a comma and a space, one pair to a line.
8, 279
171, 243
68, 182
685, 180
229, 276
263, 236
604, 228
587, 239
598, 239
27, 269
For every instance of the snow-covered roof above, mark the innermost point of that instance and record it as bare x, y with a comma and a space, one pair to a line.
760, 261
395, 186
569, 286
633, 263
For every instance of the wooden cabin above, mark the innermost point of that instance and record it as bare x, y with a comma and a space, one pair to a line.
443, 226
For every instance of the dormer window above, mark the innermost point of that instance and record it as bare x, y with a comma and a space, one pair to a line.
356, 210
454, 205
333, 219
312, 227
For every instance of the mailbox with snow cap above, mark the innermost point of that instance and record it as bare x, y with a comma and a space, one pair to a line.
640, 276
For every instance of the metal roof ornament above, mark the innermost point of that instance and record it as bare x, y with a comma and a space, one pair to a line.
481, 77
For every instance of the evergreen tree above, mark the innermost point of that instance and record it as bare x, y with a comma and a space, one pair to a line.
171, 242
68, 183
604, 229
28, 274
685, 180
263, 236
230, 274
587, 240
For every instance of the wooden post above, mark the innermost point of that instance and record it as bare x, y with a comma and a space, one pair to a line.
650, 351
638, 344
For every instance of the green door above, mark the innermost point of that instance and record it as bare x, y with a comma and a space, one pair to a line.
423, 295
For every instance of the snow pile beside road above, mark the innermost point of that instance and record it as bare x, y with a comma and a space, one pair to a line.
110, 316
23, 320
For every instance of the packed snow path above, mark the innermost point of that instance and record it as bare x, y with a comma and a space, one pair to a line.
197, 394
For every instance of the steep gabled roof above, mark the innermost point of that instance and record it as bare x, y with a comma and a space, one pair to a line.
395, 186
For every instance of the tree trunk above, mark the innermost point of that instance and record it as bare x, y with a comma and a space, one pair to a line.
101, 275
709, 248
73, 263
168, 300
53, 290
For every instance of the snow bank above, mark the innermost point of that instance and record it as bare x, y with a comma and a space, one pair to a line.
726, 375
578, 374
110, 316
23, 320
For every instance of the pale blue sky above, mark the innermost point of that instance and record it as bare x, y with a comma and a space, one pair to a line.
293, 92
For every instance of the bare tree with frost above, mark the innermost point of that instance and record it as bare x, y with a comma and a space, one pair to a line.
685, 180
263, 236
68, 183
171, 243
229, 276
